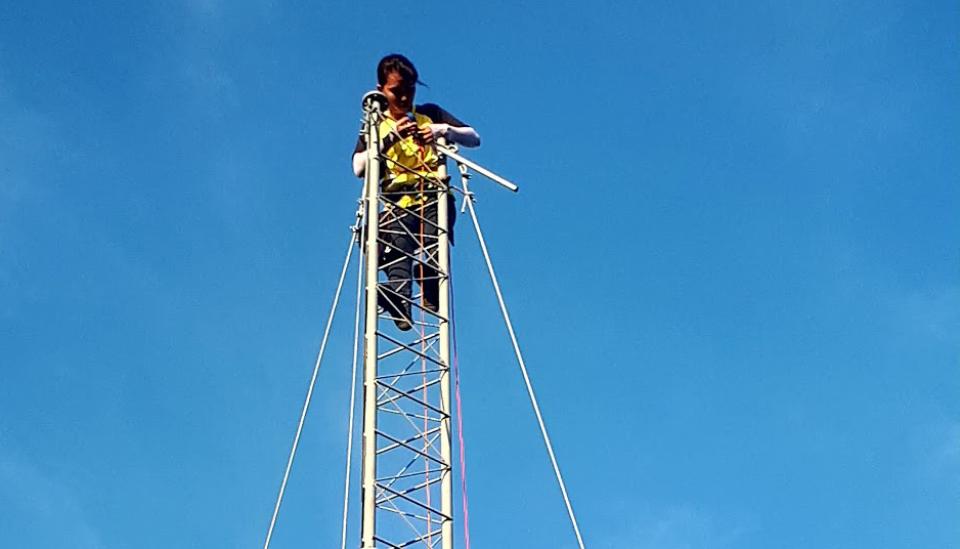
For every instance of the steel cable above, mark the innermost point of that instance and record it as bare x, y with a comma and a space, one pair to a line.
523, 367
353, 394
306, 403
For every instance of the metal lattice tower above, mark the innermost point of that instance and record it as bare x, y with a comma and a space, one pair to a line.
406, 470
407, 458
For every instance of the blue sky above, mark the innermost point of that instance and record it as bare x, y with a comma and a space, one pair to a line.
733, 266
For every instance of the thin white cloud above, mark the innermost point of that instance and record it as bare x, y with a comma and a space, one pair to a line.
205, 8
216, 9
925, 314
211, 81
682, 526
933, 312
940, 449
949, 451
24, 133
39, 496
204, 66
25, 144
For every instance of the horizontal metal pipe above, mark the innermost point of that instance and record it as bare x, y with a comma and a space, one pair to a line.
478, 168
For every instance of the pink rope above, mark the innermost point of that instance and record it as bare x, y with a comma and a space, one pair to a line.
423, 365
463, 446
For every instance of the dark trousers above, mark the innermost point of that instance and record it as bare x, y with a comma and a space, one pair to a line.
403, 231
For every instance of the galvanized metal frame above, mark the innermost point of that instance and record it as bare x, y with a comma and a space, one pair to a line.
407, 454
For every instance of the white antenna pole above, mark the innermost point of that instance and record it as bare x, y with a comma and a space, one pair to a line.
446, 452
372, 106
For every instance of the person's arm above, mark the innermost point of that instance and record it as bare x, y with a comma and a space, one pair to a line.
360, 157
404, 128
463, 135
449, 126
359, 163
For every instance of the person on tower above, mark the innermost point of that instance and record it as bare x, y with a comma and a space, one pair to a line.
410, 162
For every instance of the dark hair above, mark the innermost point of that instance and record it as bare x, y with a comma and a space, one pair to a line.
396, 63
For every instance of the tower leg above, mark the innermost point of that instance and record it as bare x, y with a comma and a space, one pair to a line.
446, 453
369, 462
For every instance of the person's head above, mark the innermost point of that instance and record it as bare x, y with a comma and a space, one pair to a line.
397, 79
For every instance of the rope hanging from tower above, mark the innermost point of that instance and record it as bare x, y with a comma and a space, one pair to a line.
390, 451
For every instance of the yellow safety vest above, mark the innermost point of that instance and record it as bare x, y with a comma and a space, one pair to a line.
408, 163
